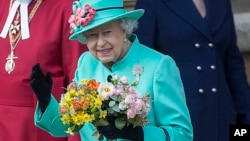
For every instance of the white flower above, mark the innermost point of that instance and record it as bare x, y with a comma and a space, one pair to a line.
106, 90
124, 80
115, 77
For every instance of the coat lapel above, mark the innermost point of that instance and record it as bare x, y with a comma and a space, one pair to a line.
217, 8
190, 15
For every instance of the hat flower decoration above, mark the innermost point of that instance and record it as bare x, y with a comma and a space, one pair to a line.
93, 13
82, 17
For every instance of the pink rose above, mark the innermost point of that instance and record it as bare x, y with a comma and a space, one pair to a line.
130, 99
76, 105
139, 106
118, 90
131, 113
63, 110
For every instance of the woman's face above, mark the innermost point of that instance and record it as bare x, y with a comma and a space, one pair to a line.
106, 42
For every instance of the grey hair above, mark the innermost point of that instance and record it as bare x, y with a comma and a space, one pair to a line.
129, 25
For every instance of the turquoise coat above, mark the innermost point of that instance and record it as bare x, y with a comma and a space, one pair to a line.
160, 78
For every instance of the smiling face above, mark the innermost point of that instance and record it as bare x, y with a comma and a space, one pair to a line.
107, 42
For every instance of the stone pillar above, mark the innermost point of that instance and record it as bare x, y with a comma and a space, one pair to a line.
241, 12
129, 4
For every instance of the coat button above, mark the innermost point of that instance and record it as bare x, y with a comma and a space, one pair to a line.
199, 68
201, 91
213, 67
214, 90
211, 45
197, 45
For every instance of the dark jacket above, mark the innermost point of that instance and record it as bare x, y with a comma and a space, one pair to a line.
210, 63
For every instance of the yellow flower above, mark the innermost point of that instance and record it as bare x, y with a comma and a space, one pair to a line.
63, 102
87, 118
65, 119
67, 97
72, 91
70, 131
81, 92
103, 114
89, 102
78, 120
92, 117
84, 81
98, 103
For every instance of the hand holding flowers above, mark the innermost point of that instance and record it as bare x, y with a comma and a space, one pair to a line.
95, 102
124, 102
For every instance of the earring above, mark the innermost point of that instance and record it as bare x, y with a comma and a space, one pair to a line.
125, 39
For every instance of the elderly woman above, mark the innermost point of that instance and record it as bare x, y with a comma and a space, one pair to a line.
106, 28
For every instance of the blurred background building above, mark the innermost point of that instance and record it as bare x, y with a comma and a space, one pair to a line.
241, 9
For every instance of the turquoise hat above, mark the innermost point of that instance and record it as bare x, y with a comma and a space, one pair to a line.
88, 14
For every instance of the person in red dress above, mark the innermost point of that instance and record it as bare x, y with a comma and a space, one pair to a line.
41, 36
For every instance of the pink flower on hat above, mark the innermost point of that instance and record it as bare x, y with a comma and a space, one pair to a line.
82, 17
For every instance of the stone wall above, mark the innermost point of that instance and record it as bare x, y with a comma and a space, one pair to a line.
242, 24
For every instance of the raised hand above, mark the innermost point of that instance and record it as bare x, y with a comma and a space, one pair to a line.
41, 85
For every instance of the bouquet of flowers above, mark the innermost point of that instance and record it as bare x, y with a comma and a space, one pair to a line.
92, 101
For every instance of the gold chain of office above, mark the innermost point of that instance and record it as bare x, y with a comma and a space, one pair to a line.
15, 35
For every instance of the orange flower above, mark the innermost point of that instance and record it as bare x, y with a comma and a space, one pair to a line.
85, 104
76, 105
93, 85
63, 110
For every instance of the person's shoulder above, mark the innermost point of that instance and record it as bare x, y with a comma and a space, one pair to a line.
87, 58
85, 55
154, 56
152, 52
